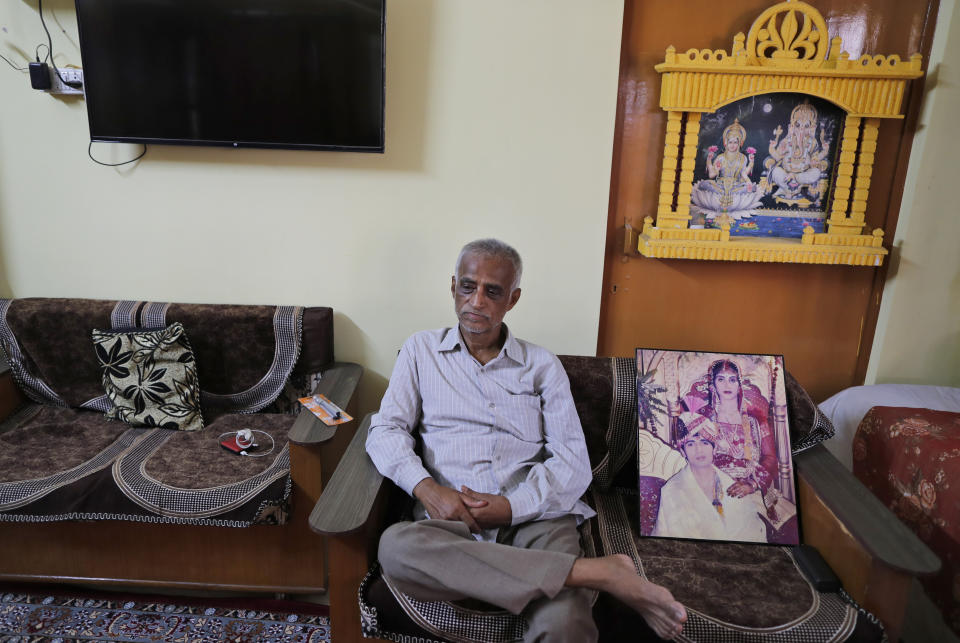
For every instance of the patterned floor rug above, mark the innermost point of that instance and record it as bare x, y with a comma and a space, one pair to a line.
44, 615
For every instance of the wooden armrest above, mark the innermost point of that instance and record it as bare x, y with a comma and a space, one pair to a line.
351, 513
347, 501
870, 523
866, 545
338, 384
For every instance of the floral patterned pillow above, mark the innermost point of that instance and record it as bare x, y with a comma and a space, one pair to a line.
151, 377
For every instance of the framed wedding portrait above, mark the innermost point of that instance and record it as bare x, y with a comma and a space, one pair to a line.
713, 447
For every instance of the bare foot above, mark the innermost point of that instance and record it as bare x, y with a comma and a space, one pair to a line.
616, 574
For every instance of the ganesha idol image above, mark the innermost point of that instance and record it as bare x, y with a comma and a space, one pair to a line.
728, 190
796, 169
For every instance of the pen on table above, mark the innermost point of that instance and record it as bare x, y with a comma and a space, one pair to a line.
331, 410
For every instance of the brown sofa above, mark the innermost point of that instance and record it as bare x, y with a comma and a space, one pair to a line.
734, 592
88, 499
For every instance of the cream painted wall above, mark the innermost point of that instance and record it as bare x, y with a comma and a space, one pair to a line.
500, 118
918, 331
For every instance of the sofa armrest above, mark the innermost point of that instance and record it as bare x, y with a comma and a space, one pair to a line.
870, 523
348, 500
875, 555
338, 384
351, 512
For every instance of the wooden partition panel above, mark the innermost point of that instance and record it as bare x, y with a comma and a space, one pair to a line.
821, 318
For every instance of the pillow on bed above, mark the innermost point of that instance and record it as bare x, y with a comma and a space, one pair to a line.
151, 377
808, 425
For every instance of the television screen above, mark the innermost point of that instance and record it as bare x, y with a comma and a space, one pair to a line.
242, 73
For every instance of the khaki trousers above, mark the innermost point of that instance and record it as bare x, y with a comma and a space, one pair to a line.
524, 571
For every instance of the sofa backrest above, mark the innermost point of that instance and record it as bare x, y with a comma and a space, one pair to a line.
604, 392
241, 351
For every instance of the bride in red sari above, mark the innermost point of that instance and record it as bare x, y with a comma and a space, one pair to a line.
745, 449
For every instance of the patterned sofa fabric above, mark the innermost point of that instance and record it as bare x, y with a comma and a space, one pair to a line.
910, 459
809, 426
733, 592
61, 459
47, 343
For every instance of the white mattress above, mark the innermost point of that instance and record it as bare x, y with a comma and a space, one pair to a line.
847, 408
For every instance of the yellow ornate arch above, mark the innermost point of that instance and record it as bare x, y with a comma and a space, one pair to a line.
790, 41
786, 50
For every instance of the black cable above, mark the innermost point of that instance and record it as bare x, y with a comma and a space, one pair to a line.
12, 65
50, 46
90, 154
36, 52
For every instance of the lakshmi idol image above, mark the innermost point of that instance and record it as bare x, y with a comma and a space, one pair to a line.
729, 189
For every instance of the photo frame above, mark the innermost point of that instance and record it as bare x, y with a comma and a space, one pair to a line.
815, 181
713, 447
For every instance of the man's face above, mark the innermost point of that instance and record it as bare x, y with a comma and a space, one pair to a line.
699, 451
481, 292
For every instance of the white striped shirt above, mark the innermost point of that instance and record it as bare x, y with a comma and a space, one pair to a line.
507, 427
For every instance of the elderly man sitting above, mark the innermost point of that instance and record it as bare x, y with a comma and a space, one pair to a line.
502, 466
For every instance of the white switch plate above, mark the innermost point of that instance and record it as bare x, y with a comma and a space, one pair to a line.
70, 75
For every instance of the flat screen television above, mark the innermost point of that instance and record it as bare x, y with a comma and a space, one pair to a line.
240, 73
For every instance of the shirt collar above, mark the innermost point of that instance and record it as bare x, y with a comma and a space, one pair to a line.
511, 347
450, 341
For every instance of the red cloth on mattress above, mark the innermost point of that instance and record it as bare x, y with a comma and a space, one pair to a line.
910, 459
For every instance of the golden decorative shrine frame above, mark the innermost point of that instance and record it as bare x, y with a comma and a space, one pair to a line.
786, 50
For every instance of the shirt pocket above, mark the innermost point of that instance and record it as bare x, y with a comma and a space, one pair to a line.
522, 415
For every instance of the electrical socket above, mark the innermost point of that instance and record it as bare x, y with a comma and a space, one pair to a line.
70, 75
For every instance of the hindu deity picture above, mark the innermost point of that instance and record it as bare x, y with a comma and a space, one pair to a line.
765, 164
713, 448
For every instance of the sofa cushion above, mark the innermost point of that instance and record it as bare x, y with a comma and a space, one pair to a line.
190, 477
726, 587
66, 464
46, 446
386, 612
150, 377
